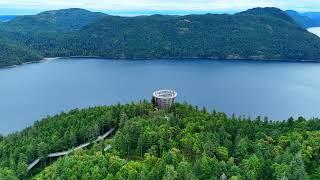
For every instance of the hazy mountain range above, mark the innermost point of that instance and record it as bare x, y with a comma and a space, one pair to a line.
5, 18
257, 34
306, 20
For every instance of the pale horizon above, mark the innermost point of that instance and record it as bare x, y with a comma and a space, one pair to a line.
144, 7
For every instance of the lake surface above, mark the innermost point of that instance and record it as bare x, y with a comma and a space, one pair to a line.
275, 89
315, 31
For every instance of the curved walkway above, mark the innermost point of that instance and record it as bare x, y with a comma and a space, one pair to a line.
63, 153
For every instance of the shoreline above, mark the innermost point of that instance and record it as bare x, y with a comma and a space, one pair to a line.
191, 58
47, 59
30, 62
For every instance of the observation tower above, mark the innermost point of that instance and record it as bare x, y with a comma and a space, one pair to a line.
164, 99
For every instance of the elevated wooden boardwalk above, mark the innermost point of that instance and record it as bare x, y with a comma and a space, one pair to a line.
57, 154
35, 162
63, 153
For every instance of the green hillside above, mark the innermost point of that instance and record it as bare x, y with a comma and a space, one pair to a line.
186, 143
256, 34
59, 20
28, 38
16, 53
253, 34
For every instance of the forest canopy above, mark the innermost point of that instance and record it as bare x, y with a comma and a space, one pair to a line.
186, 143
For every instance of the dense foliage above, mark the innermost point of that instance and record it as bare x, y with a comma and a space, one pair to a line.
185, 143
261, 33
15, 53
60, 133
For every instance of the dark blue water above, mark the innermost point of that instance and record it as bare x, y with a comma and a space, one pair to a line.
277, 90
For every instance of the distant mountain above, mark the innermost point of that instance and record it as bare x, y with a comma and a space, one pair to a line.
301, 19
314, 17
260, 33
6, 18
257, 34
268, 12
65, 19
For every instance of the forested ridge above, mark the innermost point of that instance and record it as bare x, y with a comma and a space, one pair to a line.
16, 52
257, 34
186, 143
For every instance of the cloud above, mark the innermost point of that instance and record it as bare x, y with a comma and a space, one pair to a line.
196, 5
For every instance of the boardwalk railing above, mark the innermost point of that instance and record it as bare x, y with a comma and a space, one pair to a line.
34, 163
63, 153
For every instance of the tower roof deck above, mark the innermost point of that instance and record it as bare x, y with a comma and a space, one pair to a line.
165, 94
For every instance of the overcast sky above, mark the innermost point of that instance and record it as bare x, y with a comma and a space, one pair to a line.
33, 6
